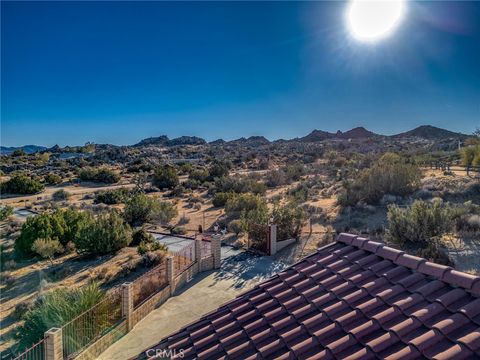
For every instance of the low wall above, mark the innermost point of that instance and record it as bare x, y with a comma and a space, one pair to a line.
206, 263
187, 275
284, 243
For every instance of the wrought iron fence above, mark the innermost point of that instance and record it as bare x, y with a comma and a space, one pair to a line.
149, 283
87, 327
183, 258
35, 352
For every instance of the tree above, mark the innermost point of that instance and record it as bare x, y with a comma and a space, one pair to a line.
219, 169
141, 235
47, 248
19, 152
165, 212
139, 209
105, 234
103, 175
165, 177
61, 225
21, 184
289, 220
470, 156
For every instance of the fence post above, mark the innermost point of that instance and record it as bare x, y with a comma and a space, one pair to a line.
127, 304
215, 246
53, 344
171, 273
273, 238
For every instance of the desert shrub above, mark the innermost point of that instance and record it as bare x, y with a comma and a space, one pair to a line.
419, 224
199, 176
152, 258
102, 175
165, 177
299, 193
178, 230
47, 248
112, 196
61, 225
21, 184
60, 195
141, 235
104, 234
183, 220
235, 226
239, 185
243, 203
470, 155
391, 174
52, 179
54, 309
219, 169
434, 253
5, 212
221, 198
289, 220
146, 246
285, 175
165, 212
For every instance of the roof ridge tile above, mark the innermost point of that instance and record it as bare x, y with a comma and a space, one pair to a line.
421, 265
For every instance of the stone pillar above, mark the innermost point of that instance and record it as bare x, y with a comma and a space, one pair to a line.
273, 238
53, 344
198, 249
127, 304
215, 247
171, 273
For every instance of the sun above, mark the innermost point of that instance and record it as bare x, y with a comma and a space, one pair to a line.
373, 20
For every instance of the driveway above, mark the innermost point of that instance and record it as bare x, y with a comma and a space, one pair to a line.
240, 271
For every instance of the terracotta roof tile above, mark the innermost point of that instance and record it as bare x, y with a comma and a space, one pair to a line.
356, 299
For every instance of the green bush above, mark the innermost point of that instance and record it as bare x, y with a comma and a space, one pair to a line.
420, 224
236, 227
243, 203
146, 246
221, 198
141, 235
239, 185
219, 169
61, 225
178, 230
102, 175
104, 234
55, 309
52, 179
60, 195
141, 208
391, 174
165, 177
5, 212
112, 196
21, 184
289, 220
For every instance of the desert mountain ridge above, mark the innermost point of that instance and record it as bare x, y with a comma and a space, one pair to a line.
425, 132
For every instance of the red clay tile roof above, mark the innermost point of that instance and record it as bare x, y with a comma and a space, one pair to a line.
353, 299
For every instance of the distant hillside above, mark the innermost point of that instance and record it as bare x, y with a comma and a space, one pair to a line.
29, 149
429, 132
356, 133
316, 135
251, 141
163, 140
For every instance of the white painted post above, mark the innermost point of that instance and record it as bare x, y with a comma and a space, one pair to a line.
273, 239
53, 344
127, 304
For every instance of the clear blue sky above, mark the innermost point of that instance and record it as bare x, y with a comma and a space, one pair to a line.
117, 72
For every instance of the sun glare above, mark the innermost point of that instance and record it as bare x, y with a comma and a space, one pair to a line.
372, 20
